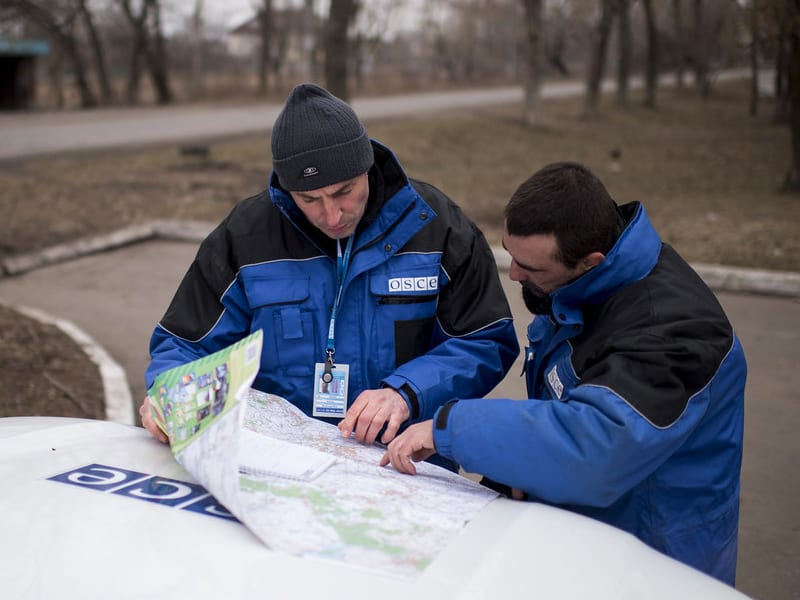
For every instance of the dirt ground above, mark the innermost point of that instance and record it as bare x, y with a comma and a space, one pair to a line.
708, 173
45, 372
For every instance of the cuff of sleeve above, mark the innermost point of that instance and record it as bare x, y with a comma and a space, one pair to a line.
441, 433
409, 394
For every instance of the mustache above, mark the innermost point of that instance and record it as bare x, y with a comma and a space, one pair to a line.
533, 289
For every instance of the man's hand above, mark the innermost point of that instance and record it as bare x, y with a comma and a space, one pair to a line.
413, 445
149, 423
370, 411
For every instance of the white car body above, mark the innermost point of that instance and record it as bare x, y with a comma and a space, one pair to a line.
72, 541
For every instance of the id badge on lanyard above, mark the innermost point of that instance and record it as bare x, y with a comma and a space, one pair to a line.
330, 379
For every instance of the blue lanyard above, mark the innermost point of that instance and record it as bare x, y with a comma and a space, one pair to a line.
342, 262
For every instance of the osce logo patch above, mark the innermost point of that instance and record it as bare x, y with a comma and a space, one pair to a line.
142, 486
555, 382
405, 285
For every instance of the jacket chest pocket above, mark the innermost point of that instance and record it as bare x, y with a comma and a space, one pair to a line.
405, 314
282, 308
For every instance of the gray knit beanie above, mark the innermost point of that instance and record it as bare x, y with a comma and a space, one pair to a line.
317, 140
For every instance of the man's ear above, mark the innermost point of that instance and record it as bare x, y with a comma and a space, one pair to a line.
590, 261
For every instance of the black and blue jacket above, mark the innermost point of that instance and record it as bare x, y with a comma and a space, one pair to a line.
422, 311
635, 412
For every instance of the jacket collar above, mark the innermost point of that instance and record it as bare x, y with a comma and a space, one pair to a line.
392, 200
632, 257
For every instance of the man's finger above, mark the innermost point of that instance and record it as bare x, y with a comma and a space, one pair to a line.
392, 427
347, 425
406, 465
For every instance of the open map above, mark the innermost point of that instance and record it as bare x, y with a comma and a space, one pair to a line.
303, 489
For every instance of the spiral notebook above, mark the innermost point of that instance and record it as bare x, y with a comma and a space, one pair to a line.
264, 457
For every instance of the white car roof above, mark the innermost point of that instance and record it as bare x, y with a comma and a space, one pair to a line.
60, 537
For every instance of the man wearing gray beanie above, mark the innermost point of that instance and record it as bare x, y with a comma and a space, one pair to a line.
379, 300
317, 140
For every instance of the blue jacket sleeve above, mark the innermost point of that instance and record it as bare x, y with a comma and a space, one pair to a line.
588, 449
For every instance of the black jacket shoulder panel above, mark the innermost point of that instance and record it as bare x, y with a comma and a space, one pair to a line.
650, 345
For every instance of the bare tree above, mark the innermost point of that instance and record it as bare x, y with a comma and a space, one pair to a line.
59, 22
532, 74
149, 46
680, 43
651, 65
700, 50
554, 50
341, 15
315, 36
197, 58
157, 56
265, 18
624, 53
792, 182
374, 19
137, 22
752, 21
782, 61
597, 60
96, 44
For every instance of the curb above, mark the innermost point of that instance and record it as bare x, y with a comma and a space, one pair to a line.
718, 277
189, 231
118, 400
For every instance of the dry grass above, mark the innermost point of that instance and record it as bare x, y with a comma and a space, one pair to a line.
708, 173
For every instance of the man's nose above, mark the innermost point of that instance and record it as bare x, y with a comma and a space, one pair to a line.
333, 212
515, 273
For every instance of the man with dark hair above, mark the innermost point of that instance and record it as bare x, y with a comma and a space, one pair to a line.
378, 298
635, 380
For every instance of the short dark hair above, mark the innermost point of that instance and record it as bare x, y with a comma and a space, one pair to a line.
567, 200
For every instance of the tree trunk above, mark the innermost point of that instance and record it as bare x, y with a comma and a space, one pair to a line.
792, 182
699, 52
651, 69
754, 36
558, 39
533, 52
337, 46
597, 60
197, 64
624, 57
680, 44
782, 103
156, 54
70, 46
106, 93
264, 55
314, 36
55, 69
138, 49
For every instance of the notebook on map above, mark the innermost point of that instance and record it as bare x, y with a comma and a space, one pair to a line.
263, 456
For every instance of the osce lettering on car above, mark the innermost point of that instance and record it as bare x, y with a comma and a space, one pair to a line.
143, 486
405, 285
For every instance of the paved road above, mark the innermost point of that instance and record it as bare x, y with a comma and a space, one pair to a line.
27, 134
